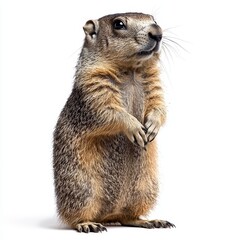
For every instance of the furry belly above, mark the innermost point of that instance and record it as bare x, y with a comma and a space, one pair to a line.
126, 180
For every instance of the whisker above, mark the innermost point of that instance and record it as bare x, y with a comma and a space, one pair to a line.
76, 51
177, 38
164, 68
171, 48
167, 52
168, 29
176, 43
164, 52
163, 64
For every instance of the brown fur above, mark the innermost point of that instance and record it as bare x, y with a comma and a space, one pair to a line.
104, 153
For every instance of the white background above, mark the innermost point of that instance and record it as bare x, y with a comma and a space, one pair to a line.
199, 148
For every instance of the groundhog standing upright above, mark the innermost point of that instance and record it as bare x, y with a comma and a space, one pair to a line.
104, 152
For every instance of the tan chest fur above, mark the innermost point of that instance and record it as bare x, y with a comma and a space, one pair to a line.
133, 94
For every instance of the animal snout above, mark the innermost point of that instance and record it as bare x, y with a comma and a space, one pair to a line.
155, 32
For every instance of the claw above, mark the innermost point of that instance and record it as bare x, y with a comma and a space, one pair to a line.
135, 142
104, 229
145, 129
170, 225
162, 224
90, 227
152, 138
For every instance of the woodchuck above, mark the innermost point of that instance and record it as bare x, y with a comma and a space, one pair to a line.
104, 153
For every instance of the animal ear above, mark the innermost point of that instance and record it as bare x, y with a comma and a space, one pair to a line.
91, 28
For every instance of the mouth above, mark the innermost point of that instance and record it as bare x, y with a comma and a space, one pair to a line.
150, 51
145, 53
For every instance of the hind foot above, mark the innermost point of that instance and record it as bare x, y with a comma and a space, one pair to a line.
148, 224
87, 227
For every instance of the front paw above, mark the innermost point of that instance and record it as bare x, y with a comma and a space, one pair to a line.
152, 124
135, 132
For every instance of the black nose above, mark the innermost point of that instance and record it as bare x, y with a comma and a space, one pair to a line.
157, 37
155, 32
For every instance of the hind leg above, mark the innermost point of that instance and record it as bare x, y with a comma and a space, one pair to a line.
84, 219
131, 217
147, 223
83, 223
144, 201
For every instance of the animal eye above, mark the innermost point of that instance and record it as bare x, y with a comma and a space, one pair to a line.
118, 25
